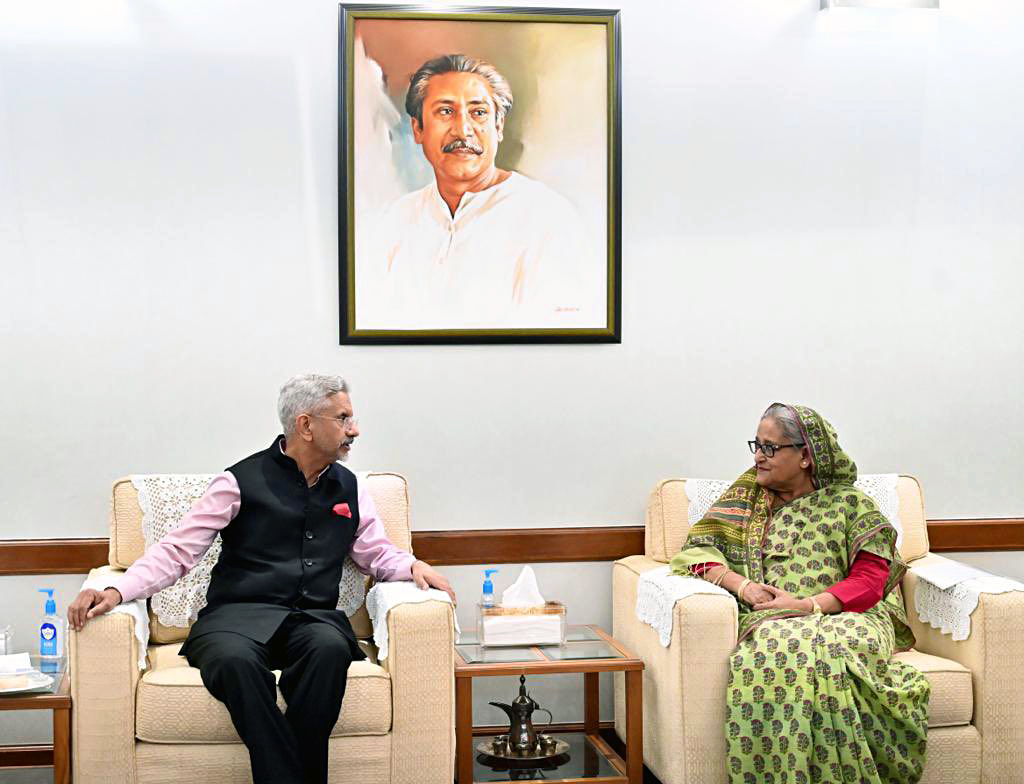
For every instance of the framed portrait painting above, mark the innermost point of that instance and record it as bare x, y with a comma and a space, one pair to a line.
479, 175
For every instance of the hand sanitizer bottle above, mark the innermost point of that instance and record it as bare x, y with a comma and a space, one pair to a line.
51, 630
487, 597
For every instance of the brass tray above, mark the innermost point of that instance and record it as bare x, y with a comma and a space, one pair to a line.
556, 757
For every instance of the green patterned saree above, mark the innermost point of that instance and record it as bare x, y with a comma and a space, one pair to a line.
814, 698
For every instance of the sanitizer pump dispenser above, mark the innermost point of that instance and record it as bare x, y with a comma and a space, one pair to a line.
487, 596
51, 629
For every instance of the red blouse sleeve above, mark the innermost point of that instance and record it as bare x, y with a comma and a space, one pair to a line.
699, 569
863, 587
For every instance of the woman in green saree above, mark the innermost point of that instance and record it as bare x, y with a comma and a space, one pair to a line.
813, 695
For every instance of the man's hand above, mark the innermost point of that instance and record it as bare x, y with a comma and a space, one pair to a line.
425, 576
782, 601
89, 603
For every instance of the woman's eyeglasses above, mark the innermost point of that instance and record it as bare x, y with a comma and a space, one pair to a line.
768, 450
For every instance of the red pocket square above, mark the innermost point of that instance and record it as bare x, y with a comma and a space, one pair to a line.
343, 510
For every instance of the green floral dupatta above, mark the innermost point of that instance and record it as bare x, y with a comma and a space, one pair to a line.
806, 545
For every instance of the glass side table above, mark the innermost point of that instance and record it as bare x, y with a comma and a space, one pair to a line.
588, 650
55, 697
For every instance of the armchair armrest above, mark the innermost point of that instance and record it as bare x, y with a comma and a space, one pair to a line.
684, 684
421, 661
103, 665
992, 653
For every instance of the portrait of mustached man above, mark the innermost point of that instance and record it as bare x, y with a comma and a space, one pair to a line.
479, 246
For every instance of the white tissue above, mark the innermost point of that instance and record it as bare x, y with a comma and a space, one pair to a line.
523, 592
15, 663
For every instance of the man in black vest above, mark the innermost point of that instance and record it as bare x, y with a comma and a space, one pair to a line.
287, 517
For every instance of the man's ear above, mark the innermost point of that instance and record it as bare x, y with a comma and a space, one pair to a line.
417, 130
302, 427
499, 124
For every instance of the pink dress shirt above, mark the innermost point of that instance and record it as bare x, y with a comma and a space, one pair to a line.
166, 561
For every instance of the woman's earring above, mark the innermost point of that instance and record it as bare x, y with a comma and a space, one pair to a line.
804, 464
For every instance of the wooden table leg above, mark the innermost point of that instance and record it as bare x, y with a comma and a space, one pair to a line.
61, 746
464, 730
634, 726
591, 702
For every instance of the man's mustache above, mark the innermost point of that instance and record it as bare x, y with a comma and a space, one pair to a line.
462, 144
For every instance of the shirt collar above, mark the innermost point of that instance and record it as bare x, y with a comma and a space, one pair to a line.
471, 201
282, 457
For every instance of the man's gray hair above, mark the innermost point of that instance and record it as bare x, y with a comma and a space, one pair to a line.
787, 419
457, 63
306, 394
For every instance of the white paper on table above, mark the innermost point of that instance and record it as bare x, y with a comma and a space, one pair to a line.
15, 663
946, 573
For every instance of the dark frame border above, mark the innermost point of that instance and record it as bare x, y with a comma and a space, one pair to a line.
347, 15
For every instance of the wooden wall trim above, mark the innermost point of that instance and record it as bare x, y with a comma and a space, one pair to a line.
52, 556
37, 756
508, 545
997, 533
527, 545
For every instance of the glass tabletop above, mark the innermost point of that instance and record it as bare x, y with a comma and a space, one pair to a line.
52, 668
581, 642
582, 761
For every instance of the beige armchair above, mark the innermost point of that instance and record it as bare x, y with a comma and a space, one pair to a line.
976, 712
161, 725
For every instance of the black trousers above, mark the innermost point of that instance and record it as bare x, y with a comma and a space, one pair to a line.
313, 657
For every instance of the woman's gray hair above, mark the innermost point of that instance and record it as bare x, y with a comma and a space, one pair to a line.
457, 63
787, 419
306, 394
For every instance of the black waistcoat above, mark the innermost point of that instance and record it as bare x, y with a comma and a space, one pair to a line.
283, 551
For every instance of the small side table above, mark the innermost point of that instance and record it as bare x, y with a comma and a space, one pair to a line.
588, 650
55, 697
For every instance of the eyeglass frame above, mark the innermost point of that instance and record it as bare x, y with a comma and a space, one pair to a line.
346, 422
769, 450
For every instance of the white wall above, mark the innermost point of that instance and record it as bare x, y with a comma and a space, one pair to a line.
821, 207
817, 206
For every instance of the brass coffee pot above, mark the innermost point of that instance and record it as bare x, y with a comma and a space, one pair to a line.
523, 739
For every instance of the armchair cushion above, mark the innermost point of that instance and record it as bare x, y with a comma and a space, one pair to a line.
952, 698
173, 705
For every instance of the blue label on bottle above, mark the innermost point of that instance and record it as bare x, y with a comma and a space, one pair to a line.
48, 640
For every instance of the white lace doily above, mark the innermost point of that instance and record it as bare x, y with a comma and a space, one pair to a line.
657, 592
165, 499
702, 493
881, 488
950, 610
383, 596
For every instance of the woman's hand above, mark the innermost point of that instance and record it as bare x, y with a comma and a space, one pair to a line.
756, 593
781, 600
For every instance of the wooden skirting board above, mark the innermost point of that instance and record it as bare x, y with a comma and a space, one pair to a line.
509, 545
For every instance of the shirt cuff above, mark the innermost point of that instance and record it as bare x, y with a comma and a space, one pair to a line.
129, 586
404, 570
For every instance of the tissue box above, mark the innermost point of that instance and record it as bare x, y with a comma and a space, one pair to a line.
542, 625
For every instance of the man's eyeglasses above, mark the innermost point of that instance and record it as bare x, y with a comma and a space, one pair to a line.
346, 422
768, 450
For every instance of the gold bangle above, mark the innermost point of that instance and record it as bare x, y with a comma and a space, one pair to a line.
739, 591
815, 607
